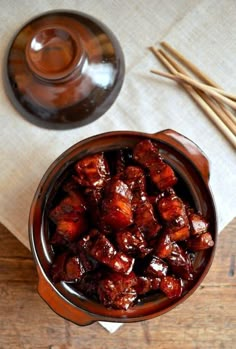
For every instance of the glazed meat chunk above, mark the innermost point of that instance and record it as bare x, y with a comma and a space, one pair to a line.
92, 171
69, 208
163, 245
69, 268
156, 267
171, 286
180, 262
200, 242
198, 224
147, 154
146, 284
116, 206
102, 250
173, 212
134, 177
145, 219
69, 231
132, 242
117, 290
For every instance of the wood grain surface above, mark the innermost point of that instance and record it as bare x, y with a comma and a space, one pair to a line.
206, 320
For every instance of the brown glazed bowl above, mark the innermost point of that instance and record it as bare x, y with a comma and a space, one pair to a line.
192, 167
63, 69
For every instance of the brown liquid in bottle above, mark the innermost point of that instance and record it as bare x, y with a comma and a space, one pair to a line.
63, 70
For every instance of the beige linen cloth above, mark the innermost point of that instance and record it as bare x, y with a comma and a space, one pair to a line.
203, 30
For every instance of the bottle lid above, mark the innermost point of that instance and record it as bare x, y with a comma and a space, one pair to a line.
63, 69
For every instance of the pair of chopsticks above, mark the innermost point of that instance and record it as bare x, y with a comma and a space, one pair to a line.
206, 93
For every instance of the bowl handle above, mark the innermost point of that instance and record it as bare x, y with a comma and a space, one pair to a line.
188, 148
61, 306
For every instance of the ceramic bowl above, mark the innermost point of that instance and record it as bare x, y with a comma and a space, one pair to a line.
191, 165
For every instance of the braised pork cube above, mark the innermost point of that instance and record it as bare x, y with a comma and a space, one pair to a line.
102, 250
179, 229
92, 171
67, 268
171, 207
164, 178
74, 269
147, 154
172, 210
71, 230
132, 243
146, 284
134, 177
67, 232
198, 224
69, 218
69, 208
180, 263
125, 300
116, 205
145, 220
122, 263
200, 242
163, 245
171, 286
156, 267
117, 291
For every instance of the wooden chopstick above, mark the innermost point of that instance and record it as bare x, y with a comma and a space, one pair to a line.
189, 64
184, 78
195, 70
204, 87
202, 102
220, 112
214, 112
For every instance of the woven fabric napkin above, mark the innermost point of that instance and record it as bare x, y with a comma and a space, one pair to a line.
204, 31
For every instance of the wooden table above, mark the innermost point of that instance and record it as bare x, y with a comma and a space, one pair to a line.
206, 320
